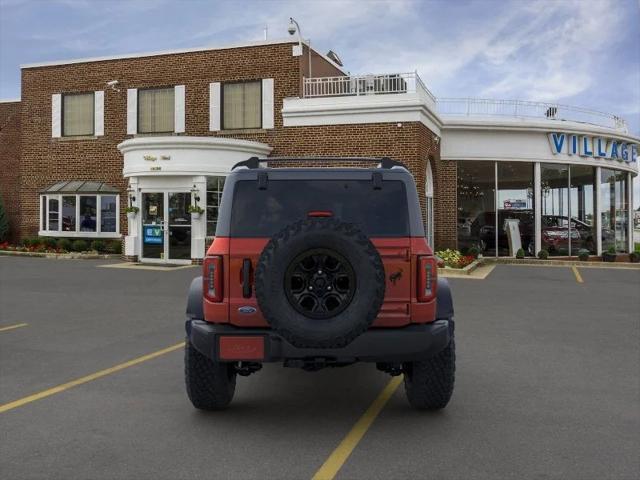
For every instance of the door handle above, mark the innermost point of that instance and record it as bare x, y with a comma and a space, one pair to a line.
246, 278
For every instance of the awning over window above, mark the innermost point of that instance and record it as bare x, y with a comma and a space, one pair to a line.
80, 186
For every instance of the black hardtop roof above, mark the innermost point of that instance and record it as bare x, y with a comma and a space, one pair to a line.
255, 162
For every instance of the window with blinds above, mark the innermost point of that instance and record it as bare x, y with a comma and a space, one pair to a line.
156, 110
77, 114
241, 105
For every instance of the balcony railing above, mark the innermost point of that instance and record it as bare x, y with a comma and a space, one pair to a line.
520, 108
356, 85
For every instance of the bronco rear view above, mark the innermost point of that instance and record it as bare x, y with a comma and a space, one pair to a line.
319, 267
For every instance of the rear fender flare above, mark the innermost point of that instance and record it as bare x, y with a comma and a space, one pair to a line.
195, 310
444, 302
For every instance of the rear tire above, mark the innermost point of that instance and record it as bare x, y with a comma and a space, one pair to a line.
429, 383
210, 385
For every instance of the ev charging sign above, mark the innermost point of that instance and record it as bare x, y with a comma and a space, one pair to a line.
596, 147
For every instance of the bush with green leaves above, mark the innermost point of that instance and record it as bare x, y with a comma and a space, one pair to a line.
4, 223
451, 258
64, 244
583, 254
50, 243
474, 252
115, 247
634, 257
543, 254
520, 253
611, 250
98, 245
79, 245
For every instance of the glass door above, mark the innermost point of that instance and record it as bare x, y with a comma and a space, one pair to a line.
153, 230
179, 238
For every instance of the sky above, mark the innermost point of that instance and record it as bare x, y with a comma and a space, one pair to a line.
577, 52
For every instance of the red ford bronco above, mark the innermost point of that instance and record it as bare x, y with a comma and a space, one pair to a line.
318, 267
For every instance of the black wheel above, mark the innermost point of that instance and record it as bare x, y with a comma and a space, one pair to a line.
210, 385
429, 383
320, 283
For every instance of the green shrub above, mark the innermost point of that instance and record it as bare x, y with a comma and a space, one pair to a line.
48, 242
543, 254
634, 257
4, 223
520, 253
79, 245
583, 254
451, 258
474, 252
611, 250
30, 242
115, 247
98, 245
64, 244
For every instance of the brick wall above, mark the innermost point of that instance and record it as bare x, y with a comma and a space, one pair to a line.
10, 163
46, 160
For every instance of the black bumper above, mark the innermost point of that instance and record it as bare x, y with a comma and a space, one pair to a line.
409, 343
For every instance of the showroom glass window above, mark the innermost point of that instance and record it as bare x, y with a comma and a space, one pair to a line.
242, 105
554, 183
77, 114
515, 205
583, 209
79, 214
614, 210
476, 206
156, 110
214, 194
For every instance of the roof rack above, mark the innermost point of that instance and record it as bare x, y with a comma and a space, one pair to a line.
254, 162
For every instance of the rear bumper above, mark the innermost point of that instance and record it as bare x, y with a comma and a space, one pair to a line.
409, 343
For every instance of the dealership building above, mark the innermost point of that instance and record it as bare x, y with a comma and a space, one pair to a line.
160, 131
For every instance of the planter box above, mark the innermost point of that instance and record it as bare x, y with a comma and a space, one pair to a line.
195, 215
131, 216
609, 257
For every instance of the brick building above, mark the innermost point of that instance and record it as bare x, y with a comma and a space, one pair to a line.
160, 131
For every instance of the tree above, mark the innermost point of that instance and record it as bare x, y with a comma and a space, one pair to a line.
4, 222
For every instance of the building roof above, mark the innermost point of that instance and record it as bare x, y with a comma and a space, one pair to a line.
80, 186
173, 52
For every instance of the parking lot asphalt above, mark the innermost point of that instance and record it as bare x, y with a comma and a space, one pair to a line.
547, 385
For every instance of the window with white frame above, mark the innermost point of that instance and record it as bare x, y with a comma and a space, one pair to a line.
429, 217
242, 105
214, 194
78, 114
79, 209
156, 112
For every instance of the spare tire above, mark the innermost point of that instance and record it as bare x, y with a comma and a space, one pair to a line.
320, 283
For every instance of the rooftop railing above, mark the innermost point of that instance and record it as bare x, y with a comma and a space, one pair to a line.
357, 85
520, 108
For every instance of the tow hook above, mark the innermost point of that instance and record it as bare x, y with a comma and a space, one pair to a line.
244, 369
393, 369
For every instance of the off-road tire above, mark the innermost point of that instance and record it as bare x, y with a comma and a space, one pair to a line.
348, 241
428, 384
210, 385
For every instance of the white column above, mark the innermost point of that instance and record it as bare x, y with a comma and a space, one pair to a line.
537, 208
630, 212
199, 226
598, 219
132, 239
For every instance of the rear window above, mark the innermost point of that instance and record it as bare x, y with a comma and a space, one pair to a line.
262, 213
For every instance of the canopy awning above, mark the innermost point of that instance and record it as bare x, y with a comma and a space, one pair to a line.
80, 186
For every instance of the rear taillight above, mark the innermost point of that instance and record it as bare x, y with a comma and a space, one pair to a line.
427, 278
212, 278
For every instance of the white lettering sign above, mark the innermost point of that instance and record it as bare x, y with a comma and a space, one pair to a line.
597, 147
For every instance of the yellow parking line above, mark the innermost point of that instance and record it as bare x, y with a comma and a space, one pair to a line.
332, 465
79, 381
11, 327
577, 274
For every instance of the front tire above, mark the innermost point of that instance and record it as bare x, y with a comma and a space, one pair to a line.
210, 385
429, 383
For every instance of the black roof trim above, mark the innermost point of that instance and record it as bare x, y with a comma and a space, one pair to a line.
80, 186
254, 162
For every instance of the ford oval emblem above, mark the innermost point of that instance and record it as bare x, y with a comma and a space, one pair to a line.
247, 310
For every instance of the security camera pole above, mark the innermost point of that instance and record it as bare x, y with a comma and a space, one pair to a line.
293, 28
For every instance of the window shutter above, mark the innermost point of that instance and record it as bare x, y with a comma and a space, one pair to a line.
214, 106
178, 110
267, 103
56, 115
98, 112
132, 111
